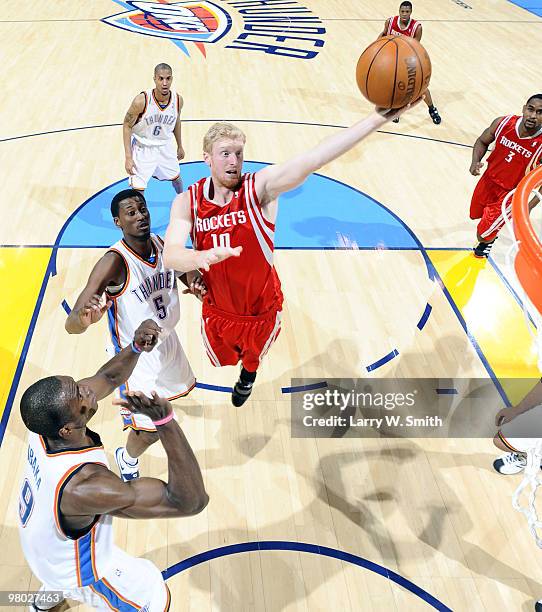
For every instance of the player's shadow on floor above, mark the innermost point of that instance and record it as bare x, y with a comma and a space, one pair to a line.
438, 526
441, 523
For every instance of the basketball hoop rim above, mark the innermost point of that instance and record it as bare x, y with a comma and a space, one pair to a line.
529, 244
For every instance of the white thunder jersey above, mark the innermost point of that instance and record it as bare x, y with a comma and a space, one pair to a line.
156, 124
59, 561
150, 292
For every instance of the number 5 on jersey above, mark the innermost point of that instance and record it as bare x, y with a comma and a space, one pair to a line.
161, 310
221, 240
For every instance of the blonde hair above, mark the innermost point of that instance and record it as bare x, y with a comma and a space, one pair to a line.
221, 130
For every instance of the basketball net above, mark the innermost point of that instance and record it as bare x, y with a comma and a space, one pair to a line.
521, 226
531, 479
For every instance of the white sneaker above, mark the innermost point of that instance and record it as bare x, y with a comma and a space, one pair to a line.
510, 463
128, 471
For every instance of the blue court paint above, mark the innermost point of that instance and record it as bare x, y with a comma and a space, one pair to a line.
447, 391
533, 6
234, 549
424, 317
201, 385
66, 307
320, 385
377, 364
322, 213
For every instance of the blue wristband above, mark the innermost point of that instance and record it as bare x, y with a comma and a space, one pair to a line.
135, 349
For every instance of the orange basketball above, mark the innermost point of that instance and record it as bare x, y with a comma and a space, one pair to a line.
393, 71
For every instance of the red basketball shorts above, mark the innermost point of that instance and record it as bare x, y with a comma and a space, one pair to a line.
230, 338
486, 205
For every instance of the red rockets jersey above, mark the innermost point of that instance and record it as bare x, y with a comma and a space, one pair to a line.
513, 157
247, 285
394, 27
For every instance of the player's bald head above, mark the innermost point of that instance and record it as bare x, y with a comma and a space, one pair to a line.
45, 407
162, 66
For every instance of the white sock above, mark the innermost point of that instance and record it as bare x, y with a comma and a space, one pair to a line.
128, 458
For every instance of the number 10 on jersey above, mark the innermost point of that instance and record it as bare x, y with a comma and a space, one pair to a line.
221, 240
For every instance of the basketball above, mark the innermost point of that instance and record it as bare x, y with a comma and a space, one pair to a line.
393, 71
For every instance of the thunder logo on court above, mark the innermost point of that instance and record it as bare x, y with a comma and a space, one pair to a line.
202, 21
273, 27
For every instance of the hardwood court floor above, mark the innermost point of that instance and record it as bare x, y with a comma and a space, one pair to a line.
365, 248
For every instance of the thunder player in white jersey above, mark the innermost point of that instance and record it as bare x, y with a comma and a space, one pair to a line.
152, 118
138, 286
69, 496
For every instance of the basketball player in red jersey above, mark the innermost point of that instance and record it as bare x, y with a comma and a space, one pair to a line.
233, 214
518, 150
404, 25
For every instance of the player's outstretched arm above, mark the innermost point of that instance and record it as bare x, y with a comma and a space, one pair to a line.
88, 307
99, 491
481, 146
176, 255
136, 108
273, 180
117, 370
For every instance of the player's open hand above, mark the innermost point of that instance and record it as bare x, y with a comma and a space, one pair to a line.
155, 407
146, 335
504, 416
475, 168
207, 258
394, 113
93, 310
196, 285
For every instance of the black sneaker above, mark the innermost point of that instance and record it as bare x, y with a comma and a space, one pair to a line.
241, 392
481, 250
538, 606
396, 120
434, 115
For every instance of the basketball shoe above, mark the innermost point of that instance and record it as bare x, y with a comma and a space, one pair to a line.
241, 392
243, 388
128, 469
481, 250
434, 115
538, 606
510, 463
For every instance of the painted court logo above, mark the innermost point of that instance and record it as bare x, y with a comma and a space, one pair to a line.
202, 22
276, 27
